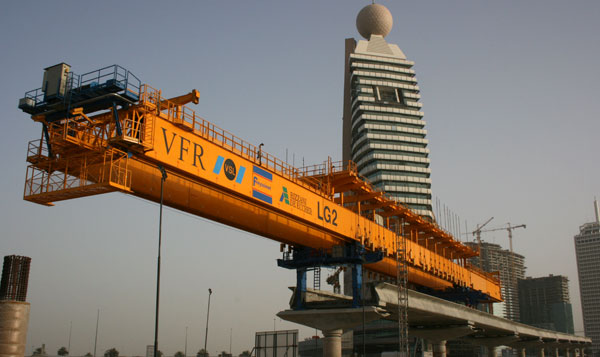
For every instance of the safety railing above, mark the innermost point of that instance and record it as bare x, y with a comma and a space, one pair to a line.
76, 173
40, 181
186, 117
37, 95
114, 75
36, 149
117, 163
493, 276
327, 168
133, 129
80, 133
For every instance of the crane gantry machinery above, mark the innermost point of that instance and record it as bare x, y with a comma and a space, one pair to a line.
105, 131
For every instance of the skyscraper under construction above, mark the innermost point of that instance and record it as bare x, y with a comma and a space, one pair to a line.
511, 267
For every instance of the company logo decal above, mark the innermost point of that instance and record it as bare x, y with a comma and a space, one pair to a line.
261, 184
183, 148
294, 200
228, 167
285, 196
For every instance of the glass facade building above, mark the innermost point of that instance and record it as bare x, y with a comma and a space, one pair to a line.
587, 251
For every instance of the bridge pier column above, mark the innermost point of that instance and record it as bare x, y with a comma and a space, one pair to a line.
567, 352
427, 347
523, 352
492, 351
332, 343
556, 352
541, 352
439, 348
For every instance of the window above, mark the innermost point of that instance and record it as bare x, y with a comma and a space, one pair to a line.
388, 95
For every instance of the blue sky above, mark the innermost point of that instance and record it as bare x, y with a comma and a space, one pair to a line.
509, 91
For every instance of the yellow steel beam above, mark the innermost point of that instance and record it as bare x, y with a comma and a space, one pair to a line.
216, 175
191, 97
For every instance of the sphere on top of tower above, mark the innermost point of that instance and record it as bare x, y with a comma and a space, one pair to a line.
374, 19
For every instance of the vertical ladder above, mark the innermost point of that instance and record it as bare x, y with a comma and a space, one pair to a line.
401, 283
317, 278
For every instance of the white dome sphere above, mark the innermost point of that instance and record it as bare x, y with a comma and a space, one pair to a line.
374, 19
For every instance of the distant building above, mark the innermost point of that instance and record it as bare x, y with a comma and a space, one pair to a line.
511, 267
544, 302
587, 251
383, 127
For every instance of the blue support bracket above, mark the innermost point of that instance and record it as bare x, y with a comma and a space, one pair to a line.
300, 291
303, 258
117, 123
47, 137
357, 298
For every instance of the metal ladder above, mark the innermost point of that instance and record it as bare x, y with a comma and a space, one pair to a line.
401, 283
317, 278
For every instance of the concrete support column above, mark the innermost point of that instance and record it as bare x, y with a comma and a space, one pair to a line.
332, 343
556, 353
567, 352
428, 347
541, 352
14, 319
439, 349
523, 352
492, 351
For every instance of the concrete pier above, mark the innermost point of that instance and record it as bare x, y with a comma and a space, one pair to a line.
433, 319
14, 318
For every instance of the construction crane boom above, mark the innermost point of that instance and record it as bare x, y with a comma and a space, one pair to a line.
111, 135
477, 233
508, 228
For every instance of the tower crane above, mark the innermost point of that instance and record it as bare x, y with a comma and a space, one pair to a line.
477, 233
509, 228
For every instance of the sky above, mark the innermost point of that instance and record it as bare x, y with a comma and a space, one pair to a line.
509, 91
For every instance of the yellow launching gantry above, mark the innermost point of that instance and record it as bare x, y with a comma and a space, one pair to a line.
104, 131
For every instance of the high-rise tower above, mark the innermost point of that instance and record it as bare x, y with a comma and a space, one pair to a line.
544, 302
511, 268
587, 251
383, 127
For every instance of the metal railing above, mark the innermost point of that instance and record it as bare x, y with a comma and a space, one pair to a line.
113, 75
36, 149
110, 75
77, 172
186, 117
493, 276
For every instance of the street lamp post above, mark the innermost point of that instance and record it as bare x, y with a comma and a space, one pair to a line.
207, 314
162, 182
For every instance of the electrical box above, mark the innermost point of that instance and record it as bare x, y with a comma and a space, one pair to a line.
54, 84
26, 104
